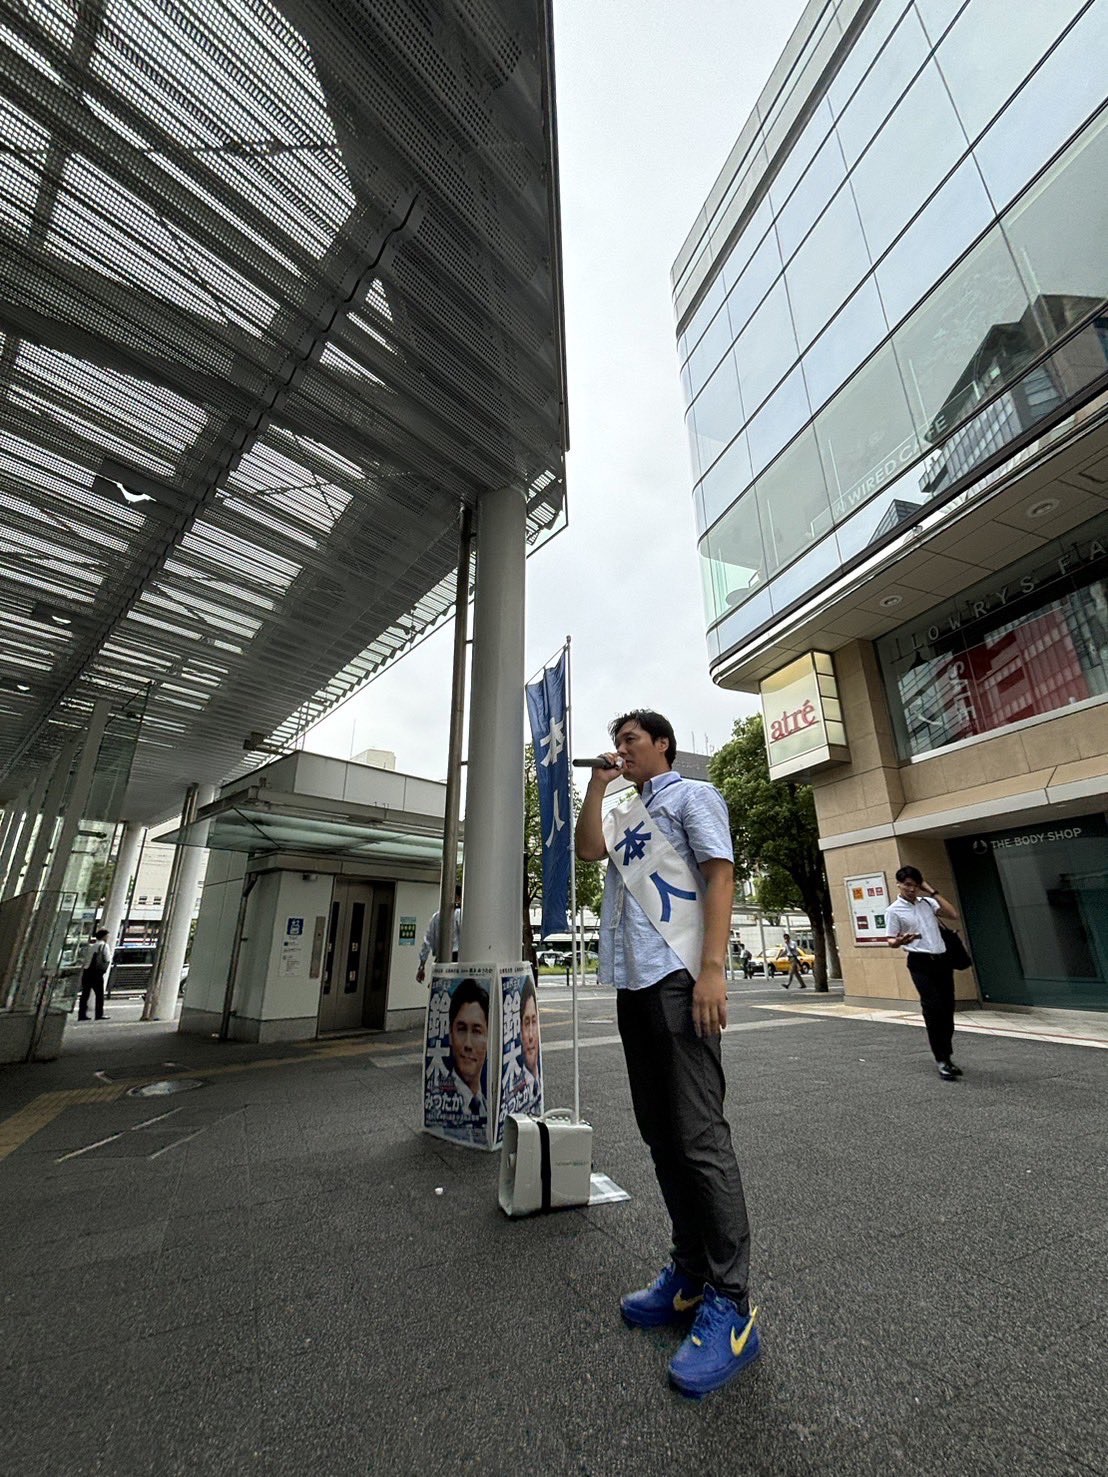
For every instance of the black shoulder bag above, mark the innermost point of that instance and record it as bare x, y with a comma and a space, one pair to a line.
956, 950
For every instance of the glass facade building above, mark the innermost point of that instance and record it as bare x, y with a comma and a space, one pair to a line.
878, 301
892, 319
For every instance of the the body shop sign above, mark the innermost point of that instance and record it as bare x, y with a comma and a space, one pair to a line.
803, 717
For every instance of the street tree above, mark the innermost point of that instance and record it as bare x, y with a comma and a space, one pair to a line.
773, 825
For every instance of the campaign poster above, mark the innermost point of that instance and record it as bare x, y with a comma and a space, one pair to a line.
461, 1022
521, 1054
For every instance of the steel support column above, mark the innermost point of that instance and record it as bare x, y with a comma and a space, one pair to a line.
173, 939
38, 964
448, 880
492, 899
53, 806
14, 817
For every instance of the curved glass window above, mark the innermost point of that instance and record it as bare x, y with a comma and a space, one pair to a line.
876, 96
866, 436
745, 244
723, 483
830, 264
959, 212
1066, 271
710, 350
704, 314
779, 419
717, 413
792, 502
764, 266
937, 15
805, 574
766, 347
801, 154
731, 558
973, 332
1056, 101
824, 176
919, 144
844, 343
874, 34
992, 47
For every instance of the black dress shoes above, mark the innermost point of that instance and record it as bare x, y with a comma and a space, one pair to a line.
949, 1072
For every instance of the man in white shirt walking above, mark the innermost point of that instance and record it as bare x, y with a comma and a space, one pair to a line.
431, 939
913, 924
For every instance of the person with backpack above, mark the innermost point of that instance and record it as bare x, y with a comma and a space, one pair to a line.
95, 963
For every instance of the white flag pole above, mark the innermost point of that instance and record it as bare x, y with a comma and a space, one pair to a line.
575, 938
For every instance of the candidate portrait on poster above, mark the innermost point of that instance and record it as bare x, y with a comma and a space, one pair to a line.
521, 1088
456, 1057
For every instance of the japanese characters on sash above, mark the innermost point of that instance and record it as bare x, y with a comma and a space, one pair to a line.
463, 1012
521, 1060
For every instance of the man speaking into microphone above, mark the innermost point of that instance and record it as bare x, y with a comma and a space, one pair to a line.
664, 927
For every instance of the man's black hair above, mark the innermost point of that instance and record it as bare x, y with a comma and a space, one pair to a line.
469, 992
458, 893
909, 874
101, 933
653, 724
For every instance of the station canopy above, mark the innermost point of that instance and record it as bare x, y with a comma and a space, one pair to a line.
280, 293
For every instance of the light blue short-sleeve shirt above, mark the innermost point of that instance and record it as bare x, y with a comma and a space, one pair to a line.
692, 816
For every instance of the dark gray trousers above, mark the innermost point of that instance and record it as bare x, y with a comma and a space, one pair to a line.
677, 1091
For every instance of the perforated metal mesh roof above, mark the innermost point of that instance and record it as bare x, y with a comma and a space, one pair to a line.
279, 292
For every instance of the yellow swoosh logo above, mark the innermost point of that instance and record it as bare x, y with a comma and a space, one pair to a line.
682, 1304
739, 1344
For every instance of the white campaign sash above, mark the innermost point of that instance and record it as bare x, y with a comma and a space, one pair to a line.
663, 884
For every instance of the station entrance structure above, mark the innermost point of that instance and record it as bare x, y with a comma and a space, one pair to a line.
281, 308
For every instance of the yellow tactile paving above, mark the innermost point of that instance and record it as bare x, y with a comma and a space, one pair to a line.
21, 1126
16, 1130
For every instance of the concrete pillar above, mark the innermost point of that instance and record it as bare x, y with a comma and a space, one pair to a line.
161, 996
129, 845
492, 899
36, 966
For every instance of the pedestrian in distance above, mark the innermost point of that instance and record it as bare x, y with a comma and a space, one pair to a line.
95, 963
913, 923
664, 927
792, 954
430, 944
748, 964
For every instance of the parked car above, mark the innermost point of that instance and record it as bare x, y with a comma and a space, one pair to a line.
779, 964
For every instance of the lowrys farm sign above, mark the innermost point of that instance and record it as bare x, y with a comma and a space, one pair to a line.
802, 716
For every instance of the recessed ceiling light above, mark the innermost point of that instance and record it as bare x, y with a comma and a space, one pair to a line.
1040, 509
889, 602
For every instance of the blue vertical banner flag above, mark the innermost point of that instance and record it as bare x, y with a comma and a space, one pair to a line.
546, 707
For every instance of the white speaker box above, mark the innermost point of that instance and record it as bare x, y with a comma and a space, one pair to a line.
545, 1163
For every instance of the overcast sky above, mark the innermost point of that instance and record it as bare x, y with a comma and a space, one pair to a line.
651, 96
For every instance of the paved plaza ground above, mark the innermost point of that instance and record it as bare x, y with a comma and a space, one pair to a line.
265, 1280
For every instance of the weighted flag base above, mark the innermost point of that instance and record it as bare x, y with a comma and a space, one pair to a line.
545, 1164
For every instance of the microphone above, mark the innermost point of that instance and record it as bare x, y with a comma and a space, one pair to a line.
597, 764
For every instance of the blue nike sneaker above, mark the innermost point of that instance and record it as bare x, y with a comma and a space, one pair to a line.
721, 1343
669, 1298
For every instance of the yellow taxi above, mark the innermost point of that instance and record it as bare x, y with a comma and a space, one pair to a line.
779, 962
